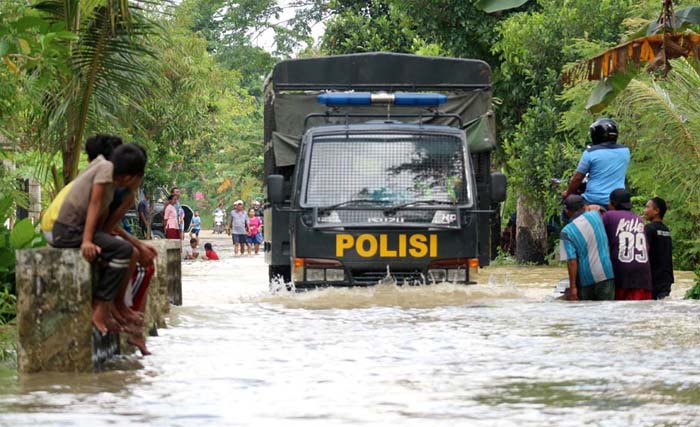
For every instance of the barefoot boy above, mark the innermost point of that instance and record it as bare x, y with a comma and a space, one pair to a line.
80, 221
660, 248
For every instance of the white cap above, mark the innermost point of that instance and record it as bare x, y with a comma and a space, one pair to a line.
238, 202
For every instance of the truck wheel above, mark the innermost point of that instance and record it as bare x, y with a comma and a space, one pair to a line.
157, 235
283, 271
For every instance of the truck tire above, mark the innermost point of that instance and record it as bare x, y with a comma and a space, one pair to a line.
157, 235
284, 271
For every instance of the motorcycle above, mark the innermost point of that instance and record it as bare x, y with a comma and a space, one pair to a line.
218, 222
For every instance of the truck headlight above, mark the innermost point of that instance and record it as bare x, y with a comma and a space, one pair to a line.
335, 275
318, 270
459, 275
437, 276
315, 275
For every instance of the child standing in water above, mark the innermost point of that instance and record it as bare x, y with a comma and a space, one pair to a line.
660, 248
196, 225
253, 226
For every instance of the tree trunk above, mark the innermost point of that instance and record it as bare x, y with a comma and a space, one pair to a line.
531, 237
71, 160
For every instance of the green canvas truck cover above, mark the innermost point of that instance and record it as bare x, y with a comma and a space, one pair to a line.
293, 86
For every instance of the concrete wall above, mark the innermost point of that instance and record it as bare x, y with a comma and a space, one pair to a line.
54, 311
54, 308
166, 285
34, 201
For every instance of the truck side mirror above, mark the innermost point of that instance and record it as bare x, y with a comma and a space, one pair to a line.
499, 183
275, 189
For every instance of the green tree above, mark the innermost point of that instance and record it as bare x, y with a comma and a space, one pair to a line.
661, 124
533, 48
201, 127
233, 29
103, 72
368, 26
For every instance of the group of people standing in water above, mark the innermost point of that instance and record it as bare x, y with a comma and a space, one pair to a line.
611, 253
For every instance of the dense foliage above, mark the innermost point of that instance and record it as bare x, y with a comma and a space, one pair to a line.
159, 74
542, 122
145, 70
184, 79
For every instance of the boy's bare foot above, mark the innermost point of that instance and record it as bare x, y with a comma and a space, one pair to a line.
132, 329
130, 315
139, 341
117, 316
100, 316
113, 325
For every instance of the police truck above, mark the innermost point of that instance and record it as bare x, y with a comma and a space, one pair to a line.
378, 167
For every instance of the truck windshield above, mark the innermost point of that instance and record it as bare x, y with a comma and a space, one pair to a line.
392, 169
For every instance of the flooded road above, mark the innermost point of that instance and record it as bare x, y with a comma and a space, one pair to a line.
501, 353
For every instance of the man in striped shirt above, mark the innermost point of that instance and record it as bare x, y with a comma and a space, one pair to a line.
585, 245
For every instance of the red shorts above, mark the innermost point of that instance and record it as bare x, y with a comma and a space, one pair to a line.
172, 233
139, 285
632, 294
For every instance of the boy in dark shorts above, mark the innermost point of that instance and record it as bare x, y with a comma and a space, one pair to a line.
81, 220
131, 298
196, 225
660, 248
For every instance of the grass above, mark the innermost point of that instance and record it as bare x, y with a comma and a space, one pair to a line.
8, 336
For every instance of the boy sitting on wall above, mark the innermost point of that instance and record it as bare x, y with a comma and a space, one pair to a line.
80, 225
133, 295
95, 146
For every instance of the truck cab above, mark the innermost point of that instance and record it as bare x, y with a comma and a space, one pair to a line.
376, 175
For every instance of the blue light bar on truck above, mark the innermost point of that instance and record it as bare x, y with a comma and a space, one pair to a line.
338, 99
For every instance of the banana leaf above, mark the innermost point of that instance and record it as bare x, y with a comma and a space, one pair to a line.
683, 19
608, 88
491, 6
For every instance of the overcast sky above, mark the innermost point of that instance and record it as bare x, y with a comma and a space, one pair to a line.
266, 40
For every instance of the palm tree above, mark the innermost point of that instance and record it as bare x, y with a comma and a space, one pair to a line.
661, 118
103, 76
665, 118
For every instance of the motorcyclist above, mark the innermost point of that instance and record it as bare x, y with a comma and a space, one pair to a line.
605, 162
258, 209
219, 214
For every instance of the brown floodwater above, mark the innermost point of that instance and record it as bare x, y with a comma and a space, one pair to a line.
504, 352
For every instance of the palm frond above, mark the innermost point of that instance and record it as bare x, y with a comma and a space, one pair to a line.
105, 69
666, 137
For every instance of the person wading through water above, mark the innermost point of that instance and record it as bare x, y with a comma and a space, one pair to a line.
585, 246
628, 248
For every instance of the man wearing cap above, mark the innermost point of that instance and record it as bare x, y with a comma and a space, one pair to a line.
628, 248
239, 231
585, 248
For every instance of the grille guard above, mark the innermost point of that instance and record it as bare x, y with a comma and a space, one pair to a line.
456, 226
